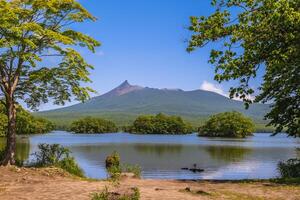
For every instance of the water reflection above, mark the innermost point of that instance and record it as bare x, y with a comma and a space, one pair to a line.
163, 156
158, 150
229, 153
22, 148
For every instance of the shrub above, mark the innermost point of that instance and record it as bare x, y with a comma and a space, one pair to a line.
227, 124
290, 168
135, 169
93, 125
112, 160
112, 164
58, 156
106, 195
69, 164
159, 124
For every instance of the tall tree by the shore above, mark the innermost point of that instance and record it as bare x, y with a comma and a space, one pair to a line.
257, 36
30, 32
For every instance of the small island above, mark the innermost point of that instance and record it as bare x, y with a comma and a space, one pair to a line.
91, 125
228, 124
159, 124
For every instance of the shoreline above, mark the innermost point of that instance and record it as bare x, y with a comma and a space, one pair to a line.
56, 184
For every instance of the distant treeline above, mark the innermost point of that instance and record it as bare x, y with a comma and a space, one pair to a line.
26, 123
93, 125
159, 124
228, 124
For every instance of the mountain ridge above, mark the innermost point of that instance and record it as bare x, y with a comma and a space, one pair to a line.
125, 102
136, 100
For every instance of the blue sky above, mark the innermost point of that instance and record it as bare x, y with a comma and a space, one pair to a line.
143, 41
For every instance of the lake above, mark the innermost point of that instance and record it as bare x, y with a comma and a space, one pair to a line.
163, 156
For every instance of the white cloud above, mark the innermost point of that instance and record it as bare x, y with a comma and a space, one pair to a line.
207, 86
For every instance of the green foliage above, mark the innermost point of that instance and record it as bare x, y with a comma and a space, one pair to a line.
228, 124
135, 169
26, 123
3, 122
112, 164
35, 30
58, 156
290, 169
31, 31
193, 106
69, 164
93, 125
112, 160
260, 35
106, 195
160, 124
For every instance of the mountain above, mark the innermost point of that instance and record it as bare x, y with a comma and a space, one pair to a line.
131, 100
122, 89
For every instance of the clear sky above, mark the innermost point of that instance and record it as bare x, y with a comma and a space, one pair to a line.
144, 42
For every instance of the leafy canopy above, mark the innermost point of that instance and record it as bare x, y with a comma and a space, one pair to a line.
257, 35
93, 125
26, 123
160, 124
227, 124
31, 31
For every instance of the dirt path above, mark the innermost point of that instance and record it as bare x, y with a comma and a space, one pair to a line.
54, 184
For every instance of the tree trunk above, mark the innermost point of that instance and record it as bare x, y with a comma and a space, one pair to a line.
10, 151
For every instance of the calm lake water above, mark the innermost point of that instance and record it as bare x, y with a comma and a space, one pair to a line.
163, 156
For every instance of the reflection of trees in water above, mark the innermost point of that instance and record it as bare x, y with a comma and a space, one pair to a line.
158, 149
228, 153
23, 147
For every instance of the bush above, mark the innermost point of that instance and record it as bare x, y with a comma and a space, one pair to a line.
69, 164
58, 156
106, 195
93, 125
112, 160
228, 124
290, 168
114, 168
160, 124
112, 164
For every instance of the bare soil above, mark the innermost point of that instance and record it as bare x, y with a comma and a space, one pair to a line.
55, 184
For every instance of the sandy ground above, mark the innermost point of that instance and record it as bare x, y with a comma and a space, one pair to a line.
52, 184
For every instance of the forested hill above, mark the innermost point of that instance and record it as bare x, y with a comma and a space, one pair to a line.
132, 100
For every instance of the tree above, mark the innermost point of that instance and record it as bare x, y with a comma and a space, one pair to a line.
257, 36
25, 122
159, 124
30, 32
93, 125
227, 124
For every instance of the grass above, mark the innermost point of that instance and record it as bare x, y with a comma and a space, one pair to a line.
135, 169
286, 181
